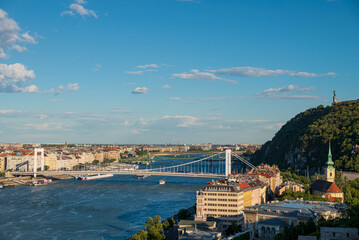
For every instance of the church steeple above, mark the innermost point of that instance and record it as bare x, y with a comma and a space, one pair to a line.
330, 170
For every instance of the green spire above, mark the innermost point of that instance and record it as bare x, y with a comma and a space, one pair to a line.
330, 163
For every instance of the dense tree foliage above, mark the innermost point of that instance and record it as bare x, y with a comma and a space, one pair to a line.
289, 176
303, 141
245, 236
350, 189
154, 230
183, 214
290, 233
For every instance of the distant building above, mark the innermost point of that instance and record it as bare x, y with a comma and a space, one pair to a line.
2, 163
293, 186
271, 175
270, 219
328, 188
335, 233
186, 227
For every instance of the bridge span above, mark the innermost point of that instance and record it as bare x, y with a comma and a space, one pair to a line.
139, 172
197, 168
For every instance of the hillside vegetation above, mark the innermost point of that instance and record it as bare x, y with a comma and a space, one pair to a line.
303, 141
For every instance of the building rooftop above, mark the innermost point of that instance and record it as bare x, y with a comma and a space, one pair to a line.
325, 186
302, 208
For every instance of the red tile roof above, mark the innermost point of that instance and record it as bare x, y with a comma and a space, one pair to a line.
325, 186
244, 186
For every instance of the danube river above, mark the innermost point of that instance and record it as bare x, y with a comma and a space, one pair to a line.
111, 208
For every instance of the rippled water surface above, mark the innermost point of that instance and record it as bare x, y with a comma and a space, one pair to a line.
111, 208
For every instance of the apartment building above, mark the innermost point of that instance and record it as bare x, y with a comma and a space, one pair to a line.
221, 200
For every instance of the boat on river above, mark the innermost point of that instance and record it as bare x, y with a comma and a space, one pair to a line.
94, 176
41, 182
140, 177
162, 181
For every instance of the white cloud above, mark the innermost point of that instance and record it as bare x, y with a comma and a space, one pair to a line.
276, 126
294, 97
67, 13
44, 126
97, 68
262, 72
166, 86
11, 36
14, 76
195, 75
73, 87
10, 112
120, 110
215, 98
31, 89
184, 121
19, 48
79, 9
174, 98
51, 90
43, 116
288, 88
134, 72
27, 38
60, 89
148, 66
140, 90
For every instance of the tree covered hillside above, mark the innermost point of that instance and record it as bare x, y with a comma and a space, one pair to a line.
303, 141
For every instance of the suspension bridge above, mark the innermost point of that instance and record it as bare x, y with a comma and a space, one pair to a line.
204, 167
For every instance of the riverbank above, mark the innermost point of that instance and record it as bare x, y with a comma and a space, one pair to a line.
24, 180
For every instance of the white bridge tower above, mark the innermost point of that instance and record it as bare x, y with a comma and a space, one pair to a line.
228, 162
36, 150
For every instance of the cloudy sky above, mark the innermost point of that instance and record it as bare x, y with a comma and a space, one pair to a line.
170, 71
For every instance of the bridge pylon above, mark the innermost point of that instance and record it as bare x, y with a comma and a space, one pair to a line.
36, 150
228, 162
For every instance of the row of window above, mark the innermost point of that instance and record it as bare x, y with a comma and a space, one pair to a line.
220, 210
217, 215
220, 194
222, 199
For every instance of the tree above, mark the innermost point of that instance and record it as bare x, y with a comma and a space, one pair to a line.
141, 235
245, 236
95, 162
183, 214
154, 228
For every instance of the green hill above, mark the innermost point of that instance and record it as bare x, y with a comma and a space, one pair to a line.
303, 141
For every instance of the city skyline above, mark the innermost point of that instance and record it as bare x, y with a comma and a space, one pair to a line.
171, 71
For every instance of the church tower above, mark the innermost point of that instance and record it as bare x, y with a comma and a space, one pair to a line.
330, 170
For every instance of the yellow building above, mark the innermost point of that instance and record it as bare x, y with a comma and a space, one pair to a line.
50, 160
221, 200
2, 163
247, 194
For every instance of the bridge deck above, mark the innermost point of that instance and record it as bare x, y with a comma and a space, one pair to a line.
74, 173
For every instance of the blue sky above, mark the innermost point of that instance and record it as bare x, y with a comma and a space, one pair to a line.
170, 71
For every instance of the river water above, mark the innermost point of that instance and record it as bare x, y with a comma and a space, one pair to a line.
111, 208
